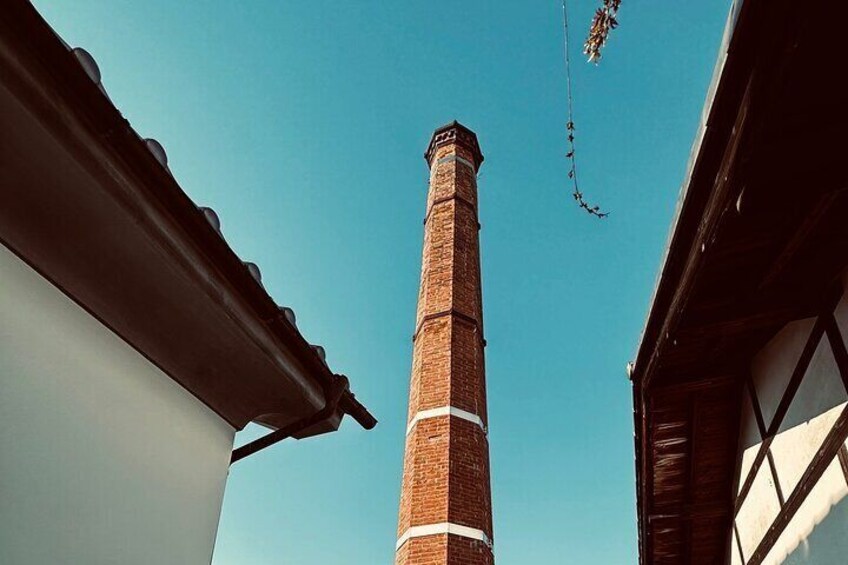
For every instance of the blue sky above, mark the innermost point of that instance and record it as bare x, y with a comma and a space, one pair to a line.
303, 124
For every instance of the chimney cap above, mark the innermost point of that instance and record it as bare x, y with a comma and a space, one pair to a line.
454, 132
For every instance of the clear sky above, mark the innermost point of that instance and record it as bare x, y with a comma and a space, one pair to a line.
303, 124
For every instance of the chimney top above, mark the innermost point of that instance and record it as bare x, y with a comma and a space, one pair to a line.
457, 133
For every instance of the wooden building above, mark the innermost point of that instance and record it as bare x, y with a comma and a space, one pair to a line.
134, 343
739, 385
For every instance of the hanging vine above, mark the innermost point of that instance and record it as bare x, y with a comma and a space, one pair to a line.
594, 210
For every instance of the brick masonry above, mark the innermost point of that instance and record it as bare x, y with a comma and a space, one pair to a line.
446, 461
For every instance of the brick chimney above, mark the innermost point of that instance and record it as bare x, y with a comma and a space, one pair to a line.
445, 504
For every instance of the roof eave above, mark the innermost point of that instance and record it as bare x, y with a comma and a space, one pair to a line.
37, 61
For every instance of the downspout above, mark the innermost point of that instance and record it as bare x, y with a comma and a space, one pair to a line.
336, 390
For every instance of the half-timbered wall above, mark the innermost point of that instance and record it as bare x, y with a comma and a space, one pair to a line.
791, 504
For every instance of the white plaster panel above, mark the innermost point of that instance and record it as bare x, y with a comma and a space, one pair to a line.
818, 533
773, 366
812, 413
749, 438
821, 389
735, 558
105, 459
794, 449
759, 510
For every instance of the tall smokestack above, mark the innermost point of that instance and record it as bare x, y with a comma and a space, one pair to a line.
445, 505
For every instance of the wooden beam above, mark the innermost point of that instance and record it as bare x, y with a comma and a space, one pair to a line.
720, 200
694, 386
703, 511
796, 242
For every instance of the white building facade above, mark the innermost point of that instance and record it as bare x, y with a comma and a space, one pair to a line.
106, 459
134, 343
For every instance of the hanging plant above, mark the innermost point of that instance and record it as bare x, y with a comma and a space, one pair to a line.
576, 193
603, 22
572, 174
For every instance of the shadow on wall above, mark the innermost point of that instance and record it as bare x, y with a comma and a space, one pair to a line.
827, 543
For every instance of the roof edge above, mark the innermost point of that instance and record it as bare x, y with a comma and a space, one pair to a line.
126, 149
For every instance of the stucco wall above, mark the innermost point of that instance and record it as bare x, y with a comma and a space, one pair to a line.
103, 458
818, 532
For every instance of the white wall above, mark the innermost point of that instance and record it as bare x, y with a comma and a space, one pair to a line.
818, 533
103, 458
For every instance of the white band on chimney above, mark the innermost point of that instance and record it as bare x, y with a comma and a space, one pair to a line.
451, 158
443, 528
446, 411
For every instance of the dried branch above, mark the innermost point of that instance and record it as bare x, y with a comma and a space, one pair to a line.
603, 22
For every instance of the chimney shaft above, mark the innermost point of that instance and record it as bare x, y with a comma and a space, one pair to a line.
445, 507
